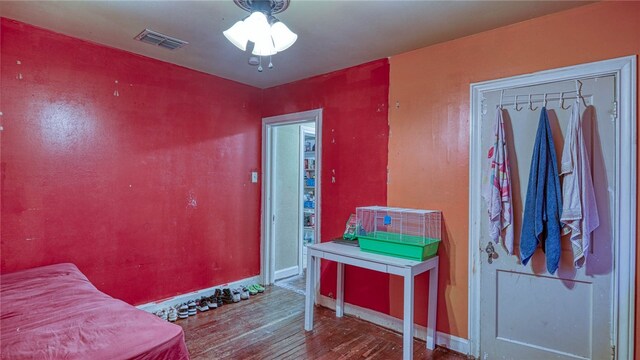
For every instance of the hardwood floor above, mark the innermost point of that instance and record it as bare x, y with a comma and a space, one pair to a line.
270, 326
295, 283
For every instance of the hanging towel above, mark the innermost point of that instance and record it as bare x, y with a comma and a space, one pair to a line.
497, 190
579, 210
541, 220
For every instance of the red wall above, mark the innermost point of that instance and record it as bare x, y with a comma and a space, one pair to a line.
149, 193
354, 139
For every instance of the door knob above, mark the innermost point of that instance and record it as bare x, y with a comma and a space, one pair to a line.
491, 252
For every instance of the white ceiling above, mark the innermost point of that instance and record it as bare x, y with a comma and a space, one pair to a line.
331, 34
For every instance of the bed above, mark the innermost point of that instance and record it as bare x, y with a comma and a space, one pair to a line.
54, 312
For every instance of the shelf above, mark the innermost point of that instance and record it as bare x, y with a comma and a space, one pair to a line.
309, 227
309, 154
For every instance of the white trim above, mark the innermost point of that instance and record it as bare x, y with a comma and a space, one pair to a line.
182, 298
623, 311
387, 321
285, 273
266, 264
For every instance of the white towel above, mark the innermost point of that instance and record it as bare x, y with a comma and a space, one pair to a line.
497, 191
579, 210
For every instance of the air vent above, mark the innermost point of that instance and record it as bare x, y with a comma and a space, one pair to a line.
155, 38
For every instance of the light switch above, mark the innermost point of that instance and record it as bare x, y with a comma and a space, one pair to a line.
254, 176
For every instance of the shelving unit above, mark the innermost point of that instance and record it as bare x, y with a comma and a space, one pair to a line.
308, 190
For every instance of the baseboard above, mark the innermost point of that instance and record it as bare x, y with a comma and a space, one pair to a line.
157, 305
387, 321
285, 273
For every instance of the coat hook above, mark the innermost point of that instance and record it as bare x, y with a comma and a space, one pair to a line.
579, 92
515, 103
562, 102
501, 97
545, 99
531, 104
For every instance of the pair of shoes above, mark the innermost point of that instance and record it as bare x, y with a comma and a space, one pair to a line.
252, 290
183, 311
211, 301
201, 305
256, 287
162, 314
172, 314
192, 310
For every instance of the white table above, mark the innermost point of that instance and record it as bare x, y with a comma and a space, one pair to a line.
352, 255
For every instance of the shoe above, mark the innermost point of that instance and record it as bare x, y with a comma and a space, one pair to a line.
162, 314
236, 295
218, 296
201, 305
192, 308
244, 293
227, 296
173, 314
183, 311
211, 302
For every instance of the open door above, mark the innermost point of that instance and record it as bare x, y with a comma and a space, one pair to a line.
291, 192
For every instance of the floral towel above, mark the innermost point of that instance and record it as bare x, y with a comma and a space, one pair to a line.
497, 191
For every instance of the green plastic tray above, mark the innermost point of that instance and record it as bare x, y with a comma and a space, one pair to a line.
402, 246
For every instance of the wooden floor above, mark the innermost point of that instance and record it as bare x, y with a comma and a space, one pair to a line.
270, 326
295, 283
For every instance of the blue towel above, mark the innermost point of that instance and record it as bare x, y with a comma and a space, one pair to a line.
543, 205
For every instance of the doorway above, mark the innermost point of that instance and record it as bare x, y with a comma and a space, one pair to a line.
291, 194
524, 312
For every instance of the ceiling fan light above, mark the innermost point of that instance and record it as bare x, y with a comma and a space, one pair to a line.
257, 26
238, 35
283, 38
264, 47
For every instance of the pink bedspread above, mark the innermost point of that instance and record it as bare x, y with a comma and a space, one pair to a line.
54, 312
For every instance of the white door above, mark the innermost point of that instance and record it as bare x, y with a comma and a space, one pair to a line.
525, 312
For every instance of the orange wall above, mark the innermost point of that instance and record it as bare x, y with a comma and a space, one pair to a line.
429, 127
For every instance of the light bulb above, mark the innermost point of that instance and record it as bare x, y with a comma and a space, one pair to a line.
238, 35
283, 38
257, 26
264, 47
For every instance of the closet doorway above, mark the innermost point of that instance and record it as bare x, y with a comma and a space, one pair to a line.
291, 193
525, 312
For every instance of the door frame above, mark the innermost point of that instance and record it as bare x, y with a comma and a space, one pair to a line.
624, 222
267, 245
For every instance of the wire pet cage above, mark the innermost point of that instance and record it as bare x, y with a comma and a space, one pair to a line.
407, 233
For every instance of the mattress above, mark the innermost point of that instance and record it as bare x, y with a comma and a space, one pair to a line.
54, 312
